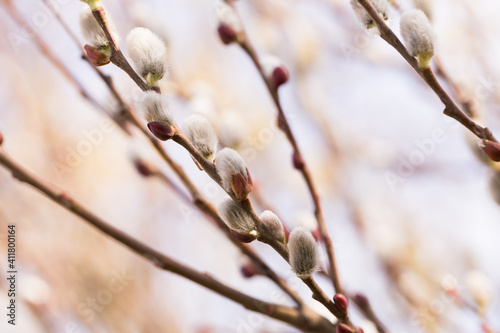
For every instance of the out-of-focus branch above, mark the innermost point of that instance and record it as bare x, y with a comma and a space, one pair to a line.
45, 50
305, 320
300, 164
451, 109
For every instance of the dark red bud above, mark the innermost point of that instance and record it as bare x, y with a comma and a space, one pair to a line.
1, 138
143, 168
249, 270
491, 149
343, 328
279, 76
96, 57
298, 162
341, 303
243, 238
162, 131
240, 186
227, 34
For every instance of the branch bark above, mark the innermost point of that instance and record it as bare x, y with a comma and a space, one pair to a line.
127, 113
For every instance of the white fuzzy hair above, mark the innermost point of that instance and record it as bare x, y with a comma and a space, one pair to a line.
228, 163
304, 254
202, 135
148, 52
236, 218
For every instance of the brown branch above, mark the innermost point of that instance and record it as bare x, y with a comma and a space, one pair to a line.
304, 170
305, 320
208, 167
451, 109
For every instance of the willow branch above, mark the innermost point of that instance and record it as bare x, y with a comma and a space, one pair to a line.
304, 169
451, 109
302, 320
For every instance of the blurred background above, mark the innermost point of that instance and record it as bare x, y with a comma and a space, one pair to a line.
409, 204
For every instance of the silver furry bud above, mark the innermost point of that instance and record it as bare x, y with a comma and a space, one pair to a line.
304, 254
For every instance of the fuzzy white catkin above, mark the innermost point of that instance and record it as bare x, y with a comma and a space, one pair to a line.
202, 135
417, 33
227, 163
272, 224
154, 107
148, 52
92, 31
236, 218
382, 7
304, 254
425, 6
